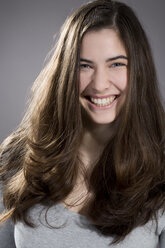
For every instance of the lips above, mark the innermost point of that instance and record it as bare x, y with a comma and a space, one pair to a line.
102, 101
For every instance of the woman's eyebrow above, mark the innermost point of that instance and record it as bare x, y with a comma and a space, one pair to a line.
86, 60
117, 57
109, 59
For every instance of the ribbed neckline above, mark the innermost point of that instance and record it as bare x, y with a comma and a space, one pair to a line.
74, 214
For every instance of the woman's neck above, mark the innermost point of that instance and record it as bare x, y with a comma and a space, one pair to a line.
94, 140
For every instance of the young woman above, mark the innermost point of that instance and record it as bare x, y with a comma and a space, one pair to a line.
85, 168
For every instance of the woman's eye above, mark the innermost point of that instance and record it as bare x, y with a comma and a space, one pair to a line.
84, 66
117, 64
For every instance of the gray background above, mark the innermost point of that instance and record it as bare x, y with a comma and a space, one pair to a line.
27, 29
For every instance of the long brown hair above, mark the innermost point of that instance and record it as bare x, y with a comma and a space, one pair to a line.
39, 161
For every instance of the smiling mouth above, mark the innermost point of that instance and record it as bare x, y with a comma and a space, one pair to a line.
102, 102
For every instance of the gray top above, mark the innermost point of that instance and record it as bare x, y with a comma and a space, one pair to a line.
6, 230
75, 231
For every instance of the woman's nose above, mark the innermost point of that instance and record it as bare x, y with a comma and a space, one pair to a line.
100, 81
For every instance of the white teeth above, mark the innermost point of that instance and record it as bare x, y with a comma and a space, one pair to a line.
103, 101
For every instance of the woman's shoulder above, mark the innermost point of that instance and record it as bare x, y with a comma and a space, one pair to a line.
161, 228
161, 221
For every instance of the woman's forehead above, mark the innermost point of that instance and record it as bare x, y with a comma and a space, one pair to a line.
104, 42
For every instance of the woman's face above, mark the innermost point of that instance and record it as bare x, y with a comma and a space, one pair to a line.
103, 75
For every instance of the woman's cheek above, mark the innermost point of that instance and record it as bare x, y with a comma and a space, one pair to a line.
121, 81
84, 81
